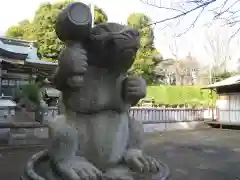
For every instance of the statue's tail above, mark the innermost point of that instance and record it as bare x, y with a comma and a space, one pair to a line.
30, 169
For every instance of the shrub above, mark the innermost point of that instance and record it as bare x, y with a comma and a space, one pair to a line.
31, 92
192, 96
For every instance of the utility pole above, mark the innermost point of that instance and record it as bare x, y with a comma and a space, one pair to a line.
92, 11
210, 73
91, 6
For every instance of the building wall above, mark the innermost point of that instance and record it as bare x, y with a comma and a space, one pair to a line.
11, 81
228, 108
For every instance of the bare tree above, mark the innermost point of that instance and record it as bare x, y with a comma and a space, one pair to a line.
173, 47
187, 70
165, 71
225, 11
183, 71
182, 68
218, 47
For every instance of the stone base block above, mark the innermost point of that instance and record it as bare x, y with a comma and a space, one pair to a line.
28, 136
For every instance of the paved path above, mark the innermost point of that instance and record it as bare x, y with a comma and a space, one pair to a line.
197, 155
12, 162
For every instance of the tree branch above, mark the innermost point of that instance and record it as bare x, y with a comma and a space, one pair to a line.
234, 34
193, 23
161, 7
221, 12
228, 11
204, 4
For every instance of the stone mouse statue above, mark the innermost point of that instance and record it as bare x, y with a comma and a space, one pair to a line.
96, 138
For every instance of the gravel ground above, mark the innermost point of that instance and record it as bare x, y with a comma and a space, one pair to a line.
211, 154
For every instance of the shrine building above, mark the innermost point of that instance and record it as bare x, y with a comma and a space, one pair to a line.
19, 64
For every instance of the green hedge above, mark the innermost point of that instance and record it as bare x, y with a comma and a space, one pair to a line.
173, 95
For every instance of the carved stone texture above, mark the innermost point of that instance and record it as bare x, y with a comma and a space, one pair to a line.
96, 138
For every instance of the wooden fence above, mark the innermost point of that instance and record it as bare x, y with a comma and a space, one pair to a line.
166, 115
157, 115
153, 119
164, 119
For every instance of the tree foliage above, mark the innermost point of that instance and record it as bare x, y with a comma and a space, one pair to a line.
147, 57
42, 27
216, 77
23, 30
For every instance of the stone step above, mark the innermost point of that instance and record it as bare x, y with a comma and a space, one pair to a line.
34, 132
17, 136
29, 136
27, 141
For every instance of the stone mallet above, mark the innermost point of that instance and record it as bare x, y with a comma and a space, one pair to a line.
73, 27
74, 23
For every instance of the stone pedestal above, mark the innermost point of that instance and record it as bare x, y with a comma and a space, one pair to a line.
40, 167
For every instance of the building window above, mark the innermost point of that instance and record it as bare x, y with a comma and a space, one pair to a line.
4, 82
11, 82
17, 82
23, 82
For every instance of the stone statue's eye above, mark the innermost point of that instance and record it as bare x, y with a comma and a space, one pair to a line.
133, 33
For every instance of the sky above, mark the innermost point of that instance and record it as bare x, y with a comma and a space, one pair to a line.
194, 41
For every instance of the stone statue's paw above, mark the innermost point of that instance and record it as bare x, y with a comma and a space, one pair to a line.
79, 170
72, 66
138, 162
134, 89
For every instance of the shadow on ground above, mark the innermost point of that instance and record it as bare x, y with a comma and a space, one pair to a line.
194, 155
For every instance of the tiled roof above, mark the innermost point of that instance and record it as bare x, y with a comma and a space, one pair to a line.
23, 47
226, 82
7, 103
